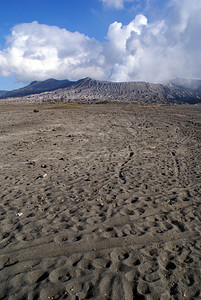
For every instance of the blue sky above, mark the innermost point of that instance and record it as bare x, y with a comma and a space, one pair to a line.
91, 17
118, 40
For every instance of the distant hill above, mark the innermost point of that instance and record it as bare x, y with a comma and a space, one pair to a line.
37, 87
88, 90
2, 92
91, 90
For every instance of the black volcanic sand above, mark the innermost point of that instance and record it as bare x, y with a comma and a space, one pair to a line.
100, 202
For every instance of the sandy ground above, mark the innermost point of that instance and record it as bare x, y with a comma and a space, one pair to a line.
100, 202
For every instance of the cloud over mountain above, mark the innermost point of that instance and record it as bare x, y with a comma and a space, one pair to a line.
161, 50
36, 51
140, 50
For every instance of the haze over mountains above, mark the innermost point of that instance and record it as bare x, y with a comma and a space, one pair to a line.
90, 90
191, 84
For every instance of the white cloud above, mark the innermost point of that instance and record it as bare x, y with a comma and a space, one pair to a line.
159, 50
118, 35
141, 50
118, 4
36, 51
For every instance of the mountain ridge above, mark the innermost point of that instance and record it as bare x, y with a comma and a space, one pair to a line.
37, 87
91, 90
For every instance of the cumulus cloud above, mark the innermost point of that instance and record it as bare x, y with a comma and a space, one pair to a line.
36, 51
140, 50
160, 50
118, 4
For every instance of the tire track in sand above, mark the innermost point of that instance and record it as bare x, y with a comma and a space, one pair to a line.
54, 250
